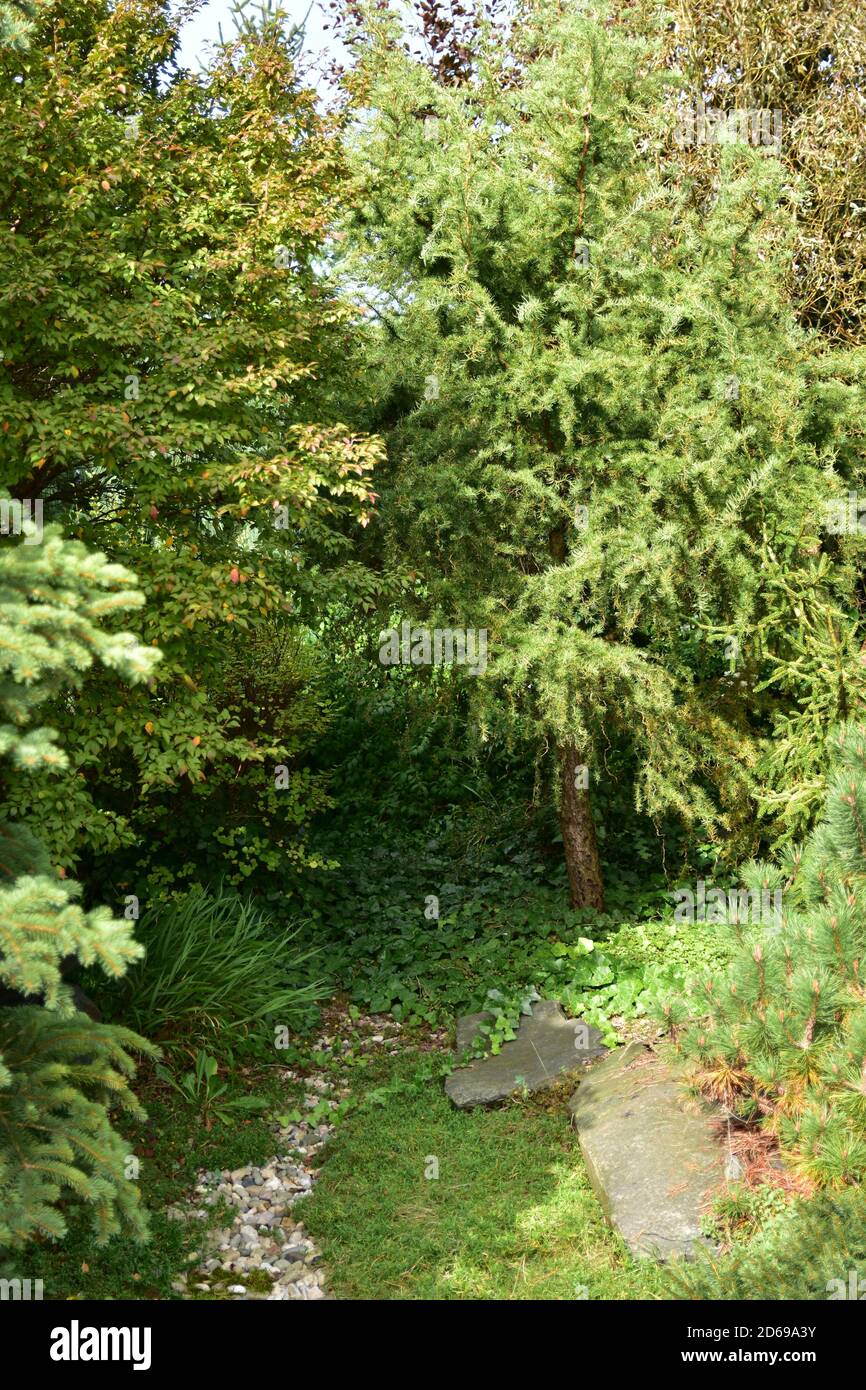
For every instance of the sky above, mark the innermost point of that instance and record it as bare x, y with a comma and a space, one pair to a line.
203, 28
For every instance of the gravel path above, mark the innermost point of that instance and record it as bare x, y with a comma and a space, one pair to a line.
266, 1235
265, 1253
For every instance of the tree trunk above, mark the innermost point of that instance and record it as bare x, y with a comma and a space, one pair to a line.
578, 835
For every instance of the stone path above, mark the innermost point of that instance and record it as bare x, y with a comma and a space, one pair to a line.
547, 1045
265, 1252
653, 1157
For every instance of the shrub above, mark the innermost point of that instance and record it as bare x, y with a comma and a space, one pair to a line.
214, 962
782, 1037
811, 1251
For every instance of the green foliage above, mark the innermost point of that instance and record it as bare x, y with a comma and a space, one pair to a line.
505, 1015
203, 1087
171, 1147
740, 1212
804, 62
583, 481
215, 966
164, 323
15, 17
781, 1037
810, 1251
611, 444
61, 1079
243, 823
811, 650
502, 927
61, 1075
511, 1214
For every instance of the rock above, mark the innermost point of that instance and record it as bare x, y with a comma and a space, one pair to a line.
262, 1233
653, 1160
547, 1045
262, 1218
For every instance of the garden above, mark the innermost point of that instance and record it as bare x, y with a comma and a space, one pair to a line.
433, 458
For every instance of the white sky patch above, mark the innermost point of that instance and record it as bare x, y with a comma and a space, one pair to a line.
203, 29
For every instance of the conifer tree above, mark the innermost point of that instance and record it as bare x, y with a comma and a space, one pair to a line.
781, 1038
15, 16
607, 436
61, 1073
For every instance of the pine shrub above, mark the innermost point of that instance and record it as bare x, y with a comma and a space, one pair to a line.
814, 1250
781, 1037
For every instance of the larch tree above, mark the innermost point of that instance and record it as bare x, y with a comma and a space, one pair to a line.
608, 438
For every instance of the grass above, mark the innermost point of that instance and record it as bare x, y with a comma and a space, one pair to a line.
511, 1216
172, 1145
214, 963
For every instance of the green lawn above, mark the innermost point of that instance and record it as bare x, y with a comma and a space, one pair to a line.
511, 1215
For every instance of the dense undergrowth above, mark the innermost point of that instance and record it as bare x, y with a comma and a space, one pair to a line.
503, 925
565, 401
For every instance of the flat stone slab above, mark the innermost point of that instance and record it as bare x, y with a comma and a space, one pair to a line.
547, 1045
654, 1159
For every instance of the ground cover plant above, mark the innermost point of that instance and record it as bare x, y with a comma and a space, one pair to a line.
431, 582
510, 1214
